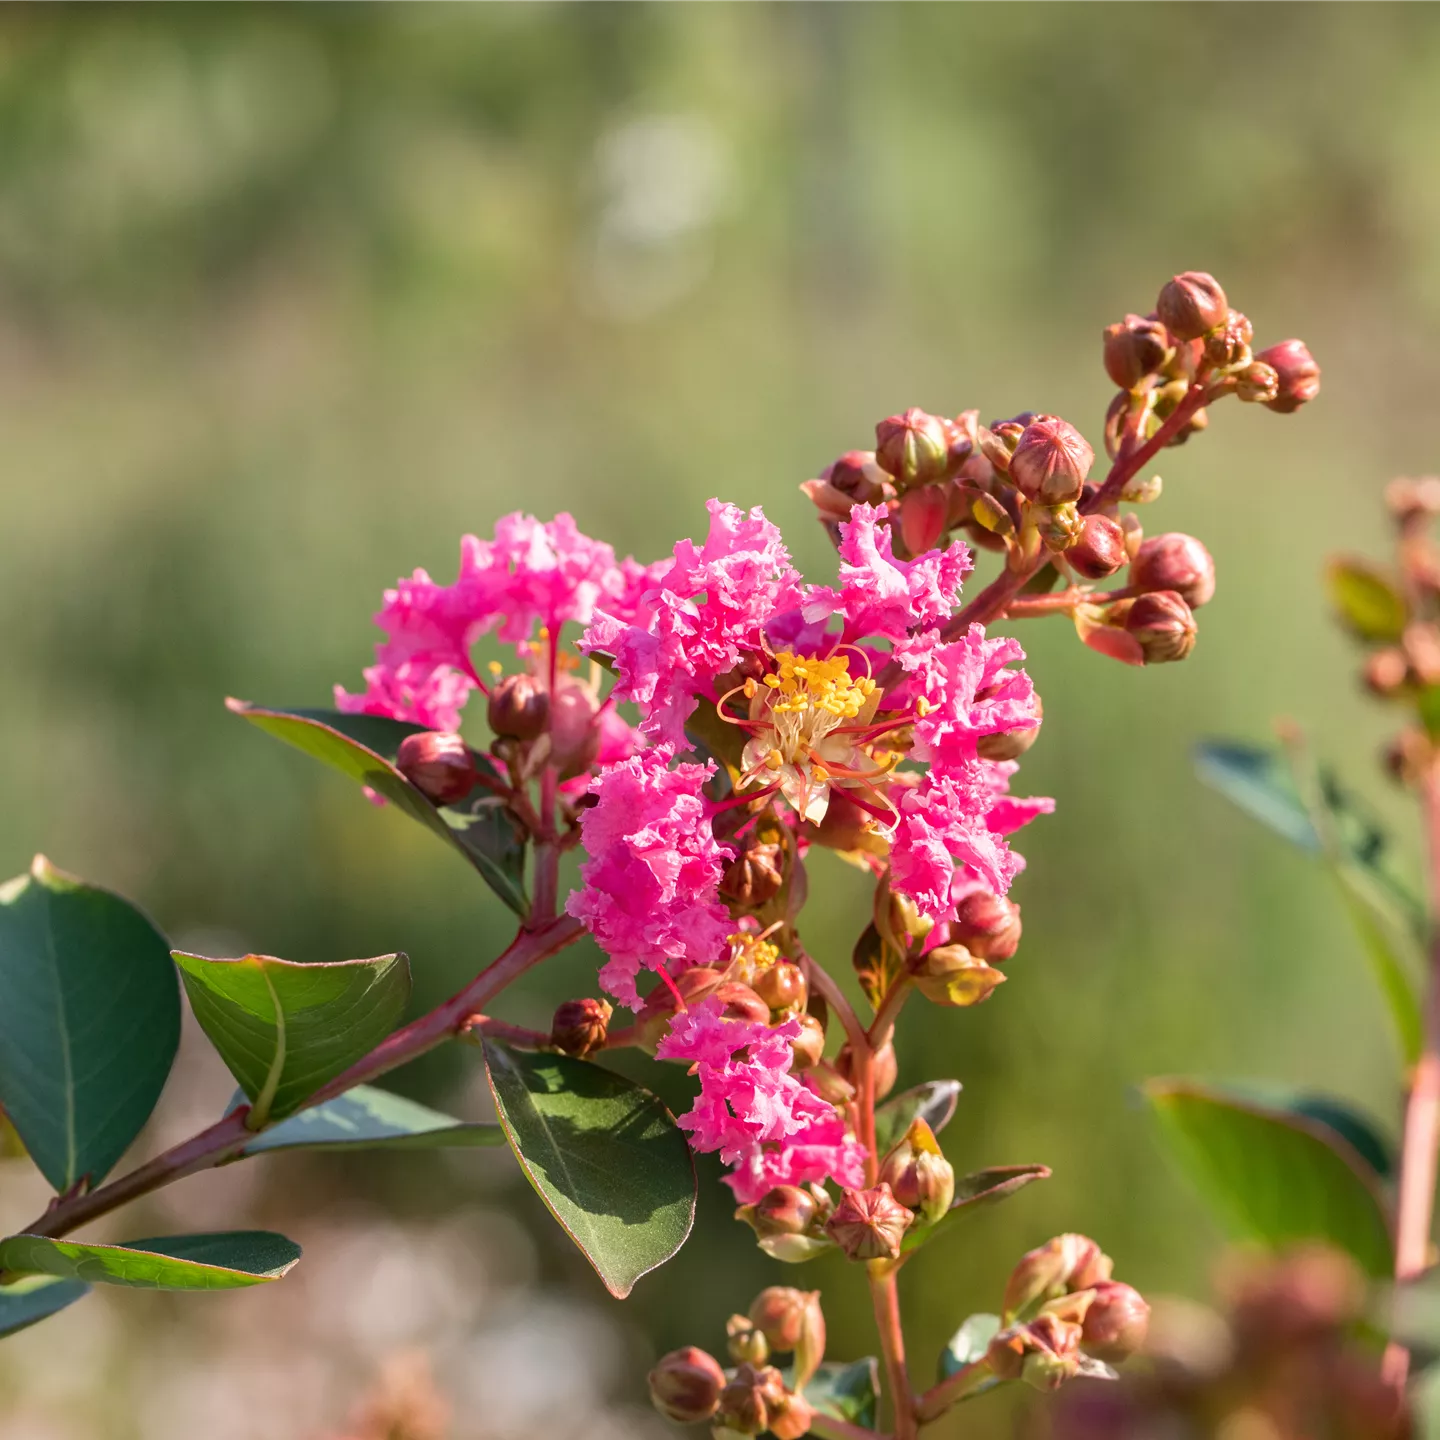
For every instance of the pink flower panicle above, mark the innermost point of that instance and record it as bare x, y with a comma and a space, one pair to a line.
650, 893
764, 1121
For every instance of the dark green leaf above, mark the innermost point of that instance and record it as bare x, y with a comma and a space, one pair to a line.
363, 747
1272, 1173
368, 1119
35, 1298
972, 1192
224, 1261
1367, 600
284, 1029
933, 1102
1259, 782
604, 1155
89, 1021
847, 1392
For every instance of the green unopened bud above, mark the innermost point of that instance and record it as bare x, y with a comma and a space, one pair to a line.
1059, 526
1065, 1264
951, 975
913, 447
1143, 491
1257, 383
919, 1175
990, 513
745, 1343
1228, 345
685, 1385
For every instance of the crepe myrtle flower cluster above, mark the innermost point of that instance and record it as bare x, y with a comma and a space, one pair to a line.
696, 726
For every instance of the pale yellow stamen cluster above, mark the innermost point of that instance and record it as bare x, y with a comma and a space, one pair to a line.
750, 955
804, 682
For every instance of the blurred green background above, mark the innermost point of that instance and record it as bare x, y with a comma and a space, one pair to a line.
290, 298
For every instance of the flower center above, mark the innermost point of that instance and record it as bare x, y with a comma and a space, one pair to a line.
808, 698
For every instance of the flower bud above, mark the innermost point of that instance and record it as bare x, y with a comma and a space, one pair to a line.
913, 447
951, 975
987, 925
1051, 461
1161, 624
1135, 349
885, 1066
1059, 1267
1386, 672
992, 517
740, 1002
1010, 744
792, 1418
1175, 562
746, 1401
782, 987
808, 1048
574, 735
1140, 490
1191, 305
1257, 383
784, 1210
1298, 373
858, 477
1409, 500
746, 1344
997, 443
685, 1385
1059, 526
869, 1224
924, 515
918, 1174
1044, 1354
519, 708
1116, 1322
1100, 550
580, 1027
1228, 344
438, 764
754, 876
652, 1022
779, 1313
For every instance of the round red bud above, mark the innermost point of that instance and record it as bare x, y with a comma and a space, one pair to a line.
792, 1418
1115, 1325
857, 475
519, 708
1175, 562
808, 1048
1161, 624
1051, 461
869, 1224
747, 1400
574, 735
580, 1027
1135, 349
740, 1002
754, 876
1299, 375
1229, 343
685, 1385
1100, 550
987, 925
778, 1312
785, 1210
438, 764
782, 986
1191, 305
886, 1068
1009, 744
913, 447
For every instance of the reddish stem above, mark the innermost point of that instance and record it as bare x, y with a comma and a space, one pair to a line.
885, 1295
228, 1136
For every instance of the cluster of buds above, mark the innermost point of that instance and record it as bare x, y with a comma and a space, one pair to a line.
964, 969
1064, 1316
1283, 1362
1395, 613
690, 1386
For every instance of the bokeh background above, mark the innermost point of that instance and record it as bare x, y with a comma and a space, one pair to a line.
290, 298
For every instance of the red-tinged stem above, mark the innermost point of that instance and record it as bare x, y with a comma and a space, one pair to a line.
939, 1398
884, 1021
228, 1136
1027, 607
997, 596
1415, 1202
821, 980
482, 1027
886, 1297
831, 1427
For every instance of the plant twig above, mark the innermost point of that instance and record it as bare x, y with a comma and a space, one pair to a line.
885, 1295
939, 1398
830, 1427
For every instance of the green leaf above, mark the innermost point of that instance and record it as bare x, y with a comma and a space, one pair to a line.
228, 1260
1275, 1174
1367, 600
973, 1192
603, 1154
364, 747
284, 1029
847, 1392
89, 1021
933, 1102
1391, 974
369, 1119
36, 1297
1259, 782
969, 1343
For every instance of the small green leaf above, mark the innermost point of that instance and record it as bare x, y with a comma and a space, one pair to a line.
35, 1297
969, 1343
933, 1102
284, 1029
364, 747
847, 1392
972, 1192
89, 1021
369, 1119
1367, 600
603, 1154
224, 1261
1275, 1174
1259, 782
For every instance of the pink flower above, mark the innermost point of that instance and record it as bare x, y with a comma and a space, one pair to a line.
649, 897
530, 574
707, 609
882, 597
751, 1109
